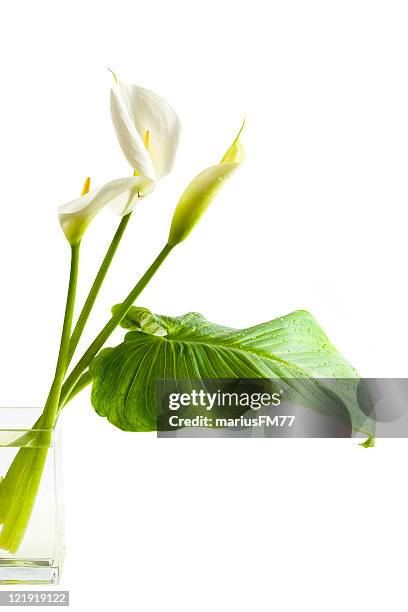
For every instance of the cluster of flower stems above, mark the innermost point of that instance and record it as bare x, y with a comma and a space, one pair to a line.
19, 487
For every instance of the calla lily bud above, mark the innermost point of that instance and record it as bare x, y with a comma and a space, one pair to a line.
120, 195
202, 190
147, 128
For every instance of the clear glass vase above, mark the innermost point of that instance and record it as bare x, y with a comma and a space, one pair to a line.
36, 554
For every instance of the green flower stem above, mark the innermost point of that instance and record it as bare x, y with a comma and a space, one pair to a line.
102, 337
83, 382
93, 294
85, 312
20, 486
51, 406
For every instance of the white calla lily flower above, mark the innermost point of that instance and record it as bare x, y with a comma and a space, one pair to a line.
148, 131
147, 127
120, 195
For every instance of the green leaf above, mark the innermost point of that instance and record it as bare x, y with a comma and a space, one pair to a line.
293, 349
141, 319
369, 443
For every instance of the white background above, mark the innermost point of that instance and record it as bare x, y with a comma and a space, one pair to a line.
315, 219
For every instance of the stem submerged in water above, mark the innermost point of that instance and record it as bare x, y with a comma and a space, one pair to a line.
18, 498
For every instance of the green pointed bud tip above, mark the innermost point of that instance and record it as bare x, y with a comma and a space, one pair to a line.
236, 152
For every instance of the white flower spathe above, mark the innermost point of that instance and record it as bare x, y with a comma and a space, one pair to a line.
120, 195
147, 128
